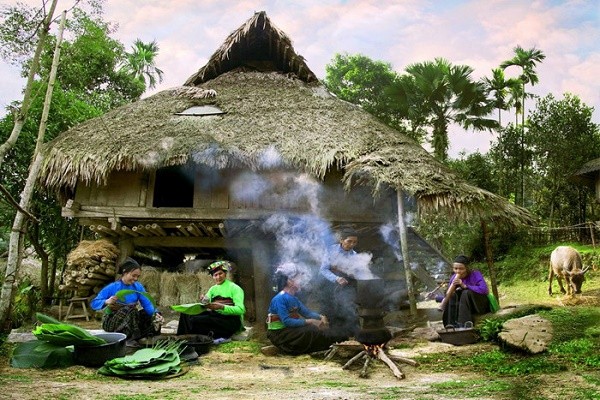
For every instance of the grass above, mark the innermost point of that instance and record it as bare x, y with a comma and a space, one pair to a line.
239, 347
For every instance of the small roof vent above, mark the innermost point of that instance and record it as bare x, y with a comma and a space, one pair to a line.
201, 111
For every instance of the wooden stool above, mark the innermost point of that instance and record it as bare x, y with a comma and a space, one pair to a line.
81, 302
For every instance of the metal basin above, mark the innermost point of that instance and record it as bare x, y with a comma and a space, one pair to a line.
96, 356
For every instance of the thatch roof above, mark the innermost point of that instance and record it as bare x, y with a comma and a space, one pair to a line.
587, 174
257, 44
265, 113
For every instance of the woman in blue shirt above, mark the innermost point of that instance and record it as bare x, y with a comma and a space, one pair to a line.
123, 315
293, 327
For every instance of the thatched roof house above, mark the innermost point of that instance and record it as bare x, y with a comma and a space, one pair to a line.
589, 175
187, 168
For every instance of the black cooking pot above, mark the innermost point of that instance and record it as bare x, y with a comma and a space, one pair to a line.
96, 356
200, 343
370, 292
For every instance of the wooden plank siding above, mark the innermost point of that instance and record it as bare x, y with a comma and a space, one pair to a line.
230, 195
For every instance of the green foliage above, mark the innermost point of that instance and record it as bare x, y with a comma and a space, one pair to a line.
489, 329
358, 79
140, 63
90, 65
26, 302
445, 94
569, 122
477, 169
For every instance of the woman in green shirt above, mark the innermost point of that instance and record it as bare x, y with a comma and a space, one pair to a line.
225, 308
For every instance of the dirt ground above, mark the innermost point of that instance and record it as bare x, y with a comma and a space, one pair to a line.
243, 374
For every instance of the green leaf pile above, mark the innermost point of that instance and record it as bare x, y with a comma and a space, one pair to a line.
38, 354
191, 308
51, 349
150, 363
66, 335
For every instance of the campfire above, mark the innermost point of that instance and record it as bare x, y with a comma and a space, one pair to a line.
372, 336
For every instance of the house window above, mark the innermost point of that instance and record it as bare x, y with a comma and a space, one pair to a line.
200, 111
174, 187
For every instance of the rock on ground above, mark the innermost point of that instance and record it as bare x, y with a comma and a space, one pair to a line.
531, 333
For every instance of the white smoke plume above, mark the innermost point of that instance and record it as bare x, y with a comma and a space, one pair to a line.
356, 266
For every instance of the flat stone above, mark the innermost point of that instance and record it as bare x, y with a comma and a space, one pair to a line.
531, 333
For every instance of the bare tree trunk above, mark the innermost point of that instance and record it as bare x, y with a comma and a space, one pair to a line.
490, 259
21, 114
13, 263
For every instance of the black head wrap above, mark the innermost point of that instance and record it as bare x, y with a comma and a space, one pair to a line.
462, 260
347, 232
128, 265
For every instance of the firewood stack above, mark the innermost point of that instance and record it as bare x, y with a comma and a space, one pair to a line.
90, 266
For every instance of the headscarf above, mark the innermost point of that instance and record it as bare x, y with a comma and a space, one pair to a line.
462, 260
347, 232
224, 266
128, 265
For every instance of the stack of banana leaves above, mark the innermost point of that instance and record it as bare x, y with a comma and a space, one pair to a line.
53, 347
160, 361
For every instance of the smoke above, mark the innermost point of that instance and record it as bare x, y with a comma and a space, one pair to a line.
356, 266
270, 158
297, 271
248, 187
301, 242
390, 235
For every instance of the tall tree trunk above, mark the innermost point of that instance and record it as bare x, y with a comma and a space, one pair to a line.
21, 114
13, 263
490, 259
34, 238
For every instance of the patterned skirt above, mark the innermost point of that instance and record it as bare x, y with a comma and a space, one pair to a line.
135, 323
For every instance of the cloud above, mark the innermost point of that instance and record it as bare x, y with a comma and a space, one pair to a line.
481, 34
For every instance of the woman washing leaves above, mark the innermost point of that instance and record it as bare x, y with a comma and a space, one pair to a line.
121, 313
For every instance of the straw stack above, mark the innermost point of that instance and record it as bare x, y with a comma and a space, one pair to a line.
90, 266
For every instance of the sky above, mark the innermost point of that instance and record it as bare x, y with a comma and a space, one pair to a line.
477, 33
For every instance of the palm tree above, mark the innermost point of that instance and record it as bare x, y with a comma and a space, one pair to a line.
141, 63
445, 93
500, 88
527, 61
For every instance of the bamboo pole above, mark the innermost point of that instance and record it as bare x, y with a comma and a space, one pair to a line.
159, 229
128, 231
183, 230
222, 229
404, 245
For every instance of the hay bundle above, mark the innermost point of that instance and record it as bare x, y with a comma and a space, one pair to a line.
579, 300
150, 278
90, 266
205, 281
169, 293
189, 288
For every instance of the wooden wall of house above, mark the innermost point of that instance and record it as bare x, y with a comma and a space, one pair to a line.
236, 191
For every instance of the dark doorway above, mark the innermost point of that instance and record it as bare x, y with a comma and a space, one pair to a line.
174, 187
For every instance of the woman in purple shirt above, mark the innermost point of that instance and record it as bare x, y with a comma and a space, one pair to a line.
466, 295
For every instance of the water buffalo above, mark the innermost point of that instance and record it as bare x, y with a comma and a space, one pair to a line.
565, 262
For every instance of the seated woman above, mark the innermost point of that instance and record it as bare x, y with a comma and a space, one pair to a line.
466, 295
123, 315
292, 327
225, 307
